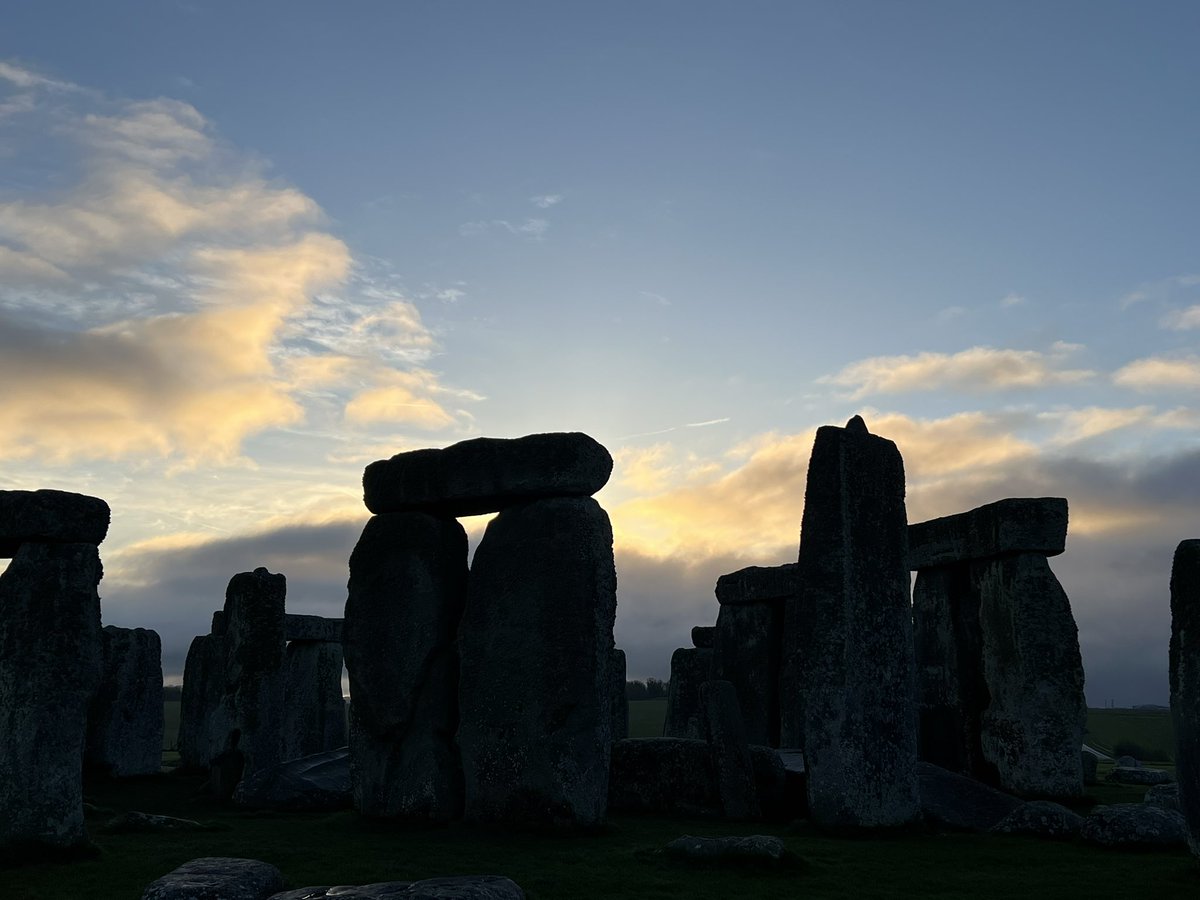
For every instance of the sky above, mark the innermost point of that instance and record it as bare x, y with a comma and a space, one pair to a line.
246, 249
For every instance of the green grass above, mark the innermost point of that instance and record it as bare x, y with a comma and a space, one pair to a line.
618, 861
170, 724
1150, 729
646, 717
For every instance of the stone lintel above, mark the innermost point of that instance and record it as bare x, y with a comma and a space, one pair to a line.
1013, 525
50, 517
758, 584
312, 628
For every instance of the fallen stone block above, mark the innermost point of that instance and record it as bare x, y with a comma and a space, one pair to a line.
1041, 818
1134, 826
317, 782
461, 887
217, 878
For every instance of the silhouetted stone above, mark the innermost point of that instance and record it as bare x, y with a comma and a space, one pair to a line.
218, 622
726, 737
487, 474
747, 652
203, 722
50, 517
312, 628
49, 670
857, 680
225, 770
254, 674
1041, 818
1185, 682
755, 849
408, 582
535, 644
1090, 763
314, 718
457, 887
317, 782
690, 667
758, 584
1164, 795
125, 718
1138, 775
619, 729
1013, 525
217, 878
703, 636
951, 800
1033, 726
1134, 826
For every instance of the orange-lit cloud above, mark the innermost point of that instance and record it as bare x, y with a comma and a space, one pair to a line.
1159, 372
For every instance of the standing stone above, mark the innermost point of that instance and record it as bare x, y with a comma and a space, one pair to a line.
620, 702
703, 636
857, 667
730, 752
1185, 682
201, 737
408, 584
125, 719
690, 668
49, 670
254, 674
536, 642
314, 718
1032, 729
748, 643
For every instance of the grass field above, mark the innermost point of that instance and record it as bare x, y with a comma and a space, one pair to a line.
1150, 730
170, 724
646, 717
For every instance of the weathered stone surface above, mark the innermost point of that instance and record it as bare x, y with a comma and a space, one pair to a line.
147, 823
676, 776
730, 752
461, 887
408, 583
1127, 762
1041, 818
1164, 795
1134, 825
218, 622
1032, 729
619, 730
49, 670
951, 800
254, 678
217, 878
1138, 775
125, 718
856, 671
50, 517
1014, 525
314, 717
747, 652
536, 642
312, 628
317, 782
703, 636
1090, 762
1185, 682
761, 849
758, 584
486, 475
690, 667
202, 723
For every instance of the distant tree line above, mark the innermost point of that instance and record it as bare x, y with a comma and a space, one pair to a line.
650, 689
172, 691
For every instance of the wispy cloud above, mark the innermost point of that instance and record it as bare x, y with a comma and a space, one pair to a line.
545, 201
1012, 299
1159, 372
657, 298
978, 369
535, 229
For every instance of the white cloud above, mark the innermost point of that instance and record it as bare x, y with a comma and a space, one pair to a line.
545, 201
978, 368
1183, 319
1159, 372
1012, 299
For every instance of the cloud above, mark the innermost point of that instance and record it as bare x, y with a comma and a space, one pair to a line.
534, 229
1159, 372
1183, 319
1012, 299
27, 78
976, 369
545, 201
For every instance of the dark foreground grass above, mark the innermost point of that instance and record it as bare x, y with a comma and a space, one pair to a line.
618, 861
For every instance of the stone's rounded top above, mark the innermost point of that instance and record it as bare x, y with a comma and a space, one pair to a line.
50, 517
258, 581
857, 424
703, 636
1013, 525
486, 475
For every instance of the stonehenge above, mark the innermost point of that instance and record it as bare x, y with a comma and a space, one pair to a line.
125, 718
1185, 682
500, 707
855, 656
999, 671
50, 661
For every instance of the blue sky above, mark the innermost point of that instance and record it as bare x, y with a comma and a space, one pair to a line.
247, 248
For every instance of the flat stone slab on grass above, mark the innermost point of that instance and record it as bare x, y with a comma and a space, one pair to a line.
1041, 818
956, 801
486, 475
317, 782
1164, 795
1134, 825
462, 887
147, 823
50, 517
1140, 775
761, 849
217, 878
312, 628
1013, 525
757, 584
